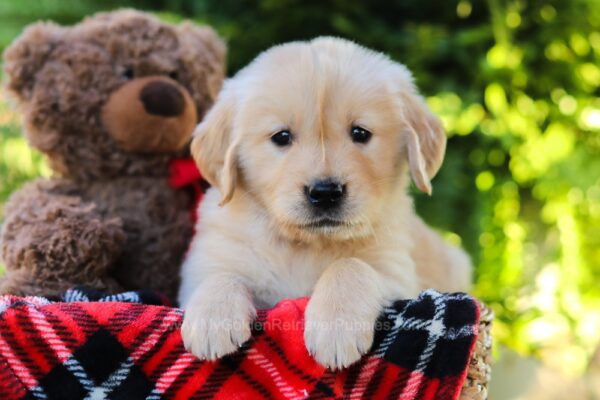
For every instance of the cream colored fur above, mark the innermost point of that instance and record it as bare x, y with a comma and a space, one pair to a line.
251, 249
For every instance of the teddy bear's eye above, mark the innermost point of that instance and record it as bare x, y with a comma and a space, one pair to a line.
174, 75
128, 73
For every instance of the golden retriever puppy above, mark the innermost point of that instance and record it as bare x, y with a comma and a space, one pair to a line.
309, 150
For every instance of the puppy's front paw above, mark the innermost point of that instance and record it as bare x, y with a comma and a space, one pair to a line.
211, 330
337, 338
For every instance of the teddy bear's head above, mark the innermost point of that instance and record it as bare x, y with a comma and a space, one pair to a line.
117, 94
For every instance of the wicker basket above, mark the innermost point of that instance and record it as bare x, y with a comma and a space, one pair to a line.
479, 372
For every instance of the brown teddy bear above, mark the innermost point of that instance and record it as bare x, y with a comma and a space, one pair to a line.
111, 101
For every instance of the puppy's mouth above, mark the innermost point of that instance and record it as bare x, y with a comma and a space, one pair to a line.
325, 223
326, 227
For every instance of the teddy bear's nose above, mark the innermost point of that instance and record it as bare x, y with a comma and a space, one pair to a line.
162, 98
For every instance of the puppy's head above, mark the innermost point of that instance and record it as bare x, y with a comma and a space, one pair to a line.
321, 135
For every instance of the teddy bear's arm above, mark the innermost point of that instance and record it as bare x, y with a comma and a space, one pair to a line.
51, 240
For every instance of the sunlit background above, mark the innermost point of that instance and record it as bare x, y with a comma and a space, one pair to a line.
516, 84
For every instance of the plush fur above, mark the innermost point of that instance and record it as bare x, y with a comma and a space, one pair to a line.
258, 240
111, 101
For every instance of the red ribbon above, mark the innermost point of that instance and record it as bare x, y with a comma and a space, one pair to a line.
184, 173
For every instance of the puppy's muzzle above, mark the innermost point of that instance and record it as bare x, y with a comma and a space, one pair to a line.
325, 194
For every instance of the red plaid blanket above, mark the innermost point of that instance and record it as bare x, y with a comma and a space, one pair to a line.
115, 348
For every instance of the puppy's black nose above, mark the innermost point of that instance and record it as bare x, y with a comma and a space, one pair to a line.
326, 193
162, 98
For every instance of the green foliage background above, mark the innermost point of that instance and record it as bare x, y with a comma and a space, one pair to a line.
516, 83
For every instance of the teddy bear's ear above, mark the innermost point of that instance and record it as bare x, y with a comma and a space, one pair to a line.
203, 52
28, 54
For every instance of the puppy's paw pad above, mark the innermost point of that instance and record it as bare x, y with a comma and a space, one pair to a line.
210, 334
338, 344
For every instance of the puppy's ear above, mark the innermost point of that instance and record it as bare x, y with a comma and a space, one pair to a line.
214, 149
423, 136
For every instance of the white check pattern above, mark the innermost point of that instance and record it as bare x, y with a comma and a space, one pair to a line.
76, 295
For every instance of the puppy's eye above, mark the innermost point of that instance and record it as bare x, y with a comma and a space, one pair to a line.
360, 135
282, 138
128, 73
174, 75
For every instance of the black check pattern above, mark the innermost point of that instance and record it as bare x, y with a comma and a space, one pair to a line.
429, 331
100, 369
